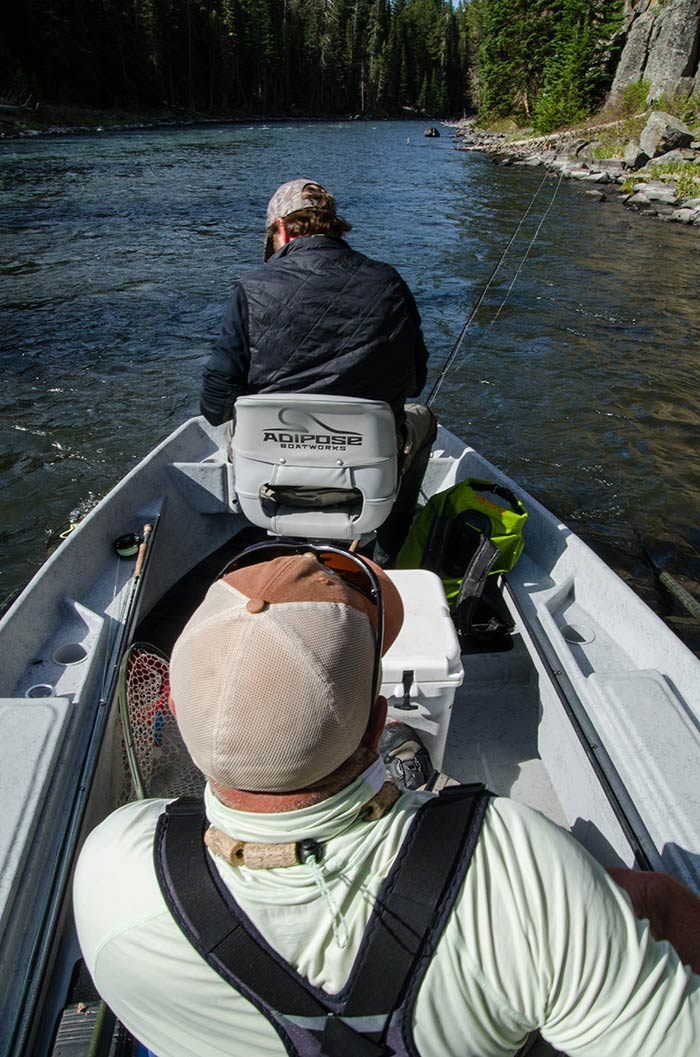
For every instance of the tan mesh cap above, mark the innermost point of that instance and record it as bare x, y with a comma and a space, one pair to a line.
290, 197
271, 677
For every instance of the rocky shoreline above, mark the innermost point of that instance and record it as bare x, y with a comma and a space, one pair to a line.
652, 176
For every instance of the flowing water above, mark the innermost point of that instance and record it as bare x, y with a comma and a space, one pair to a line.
119, 250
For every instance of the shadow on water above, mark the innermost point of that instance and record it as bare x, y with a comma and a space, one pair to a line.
121, 250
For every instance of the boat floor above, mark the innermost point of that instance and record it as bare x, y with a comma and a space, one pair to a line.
493, 739
493, 730
163, 624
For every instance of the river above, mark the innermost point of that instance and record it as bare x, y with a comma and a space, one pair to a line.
119, 250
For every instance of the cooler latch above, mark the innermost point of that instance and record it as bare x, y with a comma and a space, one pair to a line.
407, 681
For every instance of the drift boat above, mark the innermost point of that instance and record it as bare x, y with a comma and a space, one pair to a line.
591, 715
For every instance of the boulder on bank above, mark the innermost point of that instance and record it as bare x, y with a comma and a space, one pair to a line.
586, 150
663, 133
613, 166
679, 156
657, 191
655, 195
638, 200
634, 157
684, 215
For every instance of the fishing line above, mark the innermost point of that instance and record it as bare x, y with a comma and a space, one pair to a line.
458, 344
533, 240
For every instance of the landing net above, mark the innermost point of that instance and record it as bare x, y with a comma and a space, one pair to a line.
157, 763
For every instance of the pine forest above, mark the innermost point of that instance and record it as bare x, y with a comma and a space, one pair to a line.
545, 62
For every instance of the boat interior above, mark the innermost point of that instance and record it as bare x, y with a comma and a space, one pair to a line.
565, 715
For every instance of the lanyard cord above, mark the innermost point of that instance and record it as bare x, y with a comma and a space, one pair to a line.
458, 344
338, 922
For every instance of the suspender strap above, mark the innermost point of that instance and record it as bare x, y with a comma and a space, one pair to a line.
213, 925
444, 832
411, 909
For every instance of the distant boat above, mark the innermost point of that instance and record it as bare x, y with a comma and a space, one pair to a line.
432, 132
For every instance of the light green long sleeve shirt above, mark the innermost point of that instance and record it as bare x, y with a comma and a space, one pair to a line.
539, 938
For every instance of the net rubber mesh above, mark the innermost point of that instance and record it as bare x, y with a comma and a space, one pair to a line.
156, 762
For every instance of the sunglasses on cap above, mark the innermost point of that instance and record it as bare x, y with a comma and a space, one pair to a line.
351, 568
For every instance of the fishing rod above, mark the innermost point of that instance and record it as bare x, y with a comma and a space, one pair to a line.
458, 344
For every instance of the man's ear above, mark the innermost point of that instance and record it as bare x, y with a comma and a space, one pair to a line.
282, 231
376, 724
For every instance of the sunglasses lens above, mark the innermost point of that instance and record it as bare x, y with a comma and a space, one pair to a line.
254, 556
352, 570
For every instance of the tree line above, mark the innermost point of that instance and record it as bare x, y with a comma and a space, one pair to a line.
254, 57
542, 61
545, 62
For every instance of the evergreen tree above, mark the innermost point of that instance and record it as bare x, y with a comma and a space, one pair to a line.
515, 42
573, 71
565, 95
542, 60
545, 60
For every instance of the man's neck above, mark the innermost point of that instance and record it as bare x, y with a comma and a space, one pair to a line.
274, 803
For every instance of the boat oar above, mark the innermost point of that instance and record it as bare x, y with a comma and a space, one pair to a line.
672, 585
688, 601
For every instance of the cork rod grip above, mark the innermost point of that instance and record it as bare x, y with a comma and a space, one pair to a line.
141, 556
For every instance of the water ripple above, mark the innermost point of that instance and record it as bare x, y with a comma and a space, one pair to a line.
120, 251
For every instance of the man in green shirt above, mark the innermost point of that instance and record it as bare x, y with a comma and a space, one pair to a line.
274, 686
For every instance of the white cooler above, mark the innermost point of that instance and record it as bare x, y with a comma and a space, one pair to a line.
423, 668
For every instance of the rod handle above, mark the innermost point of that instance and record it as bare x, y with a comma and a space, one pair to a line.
141, 556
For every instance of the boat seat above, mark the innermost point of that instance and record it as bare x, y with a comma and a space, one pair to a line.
320, 467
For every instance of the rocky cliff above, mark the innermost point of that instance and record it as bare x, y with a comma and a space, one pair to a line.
662, 46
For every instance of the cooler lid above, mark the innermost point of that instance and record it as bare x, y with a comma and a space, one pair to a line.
427, 643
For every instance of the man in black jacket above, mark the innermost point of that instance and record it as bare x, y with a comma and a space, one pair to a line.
319, 317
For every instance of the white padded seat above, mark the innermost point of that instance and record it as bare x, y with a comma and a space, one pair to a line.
319, 467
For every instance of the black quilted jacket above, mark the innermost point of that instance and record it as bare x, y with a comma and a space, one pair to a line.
317, 318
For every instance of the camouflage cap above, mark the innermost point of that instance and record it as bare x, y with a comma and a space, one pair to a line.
294, 195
